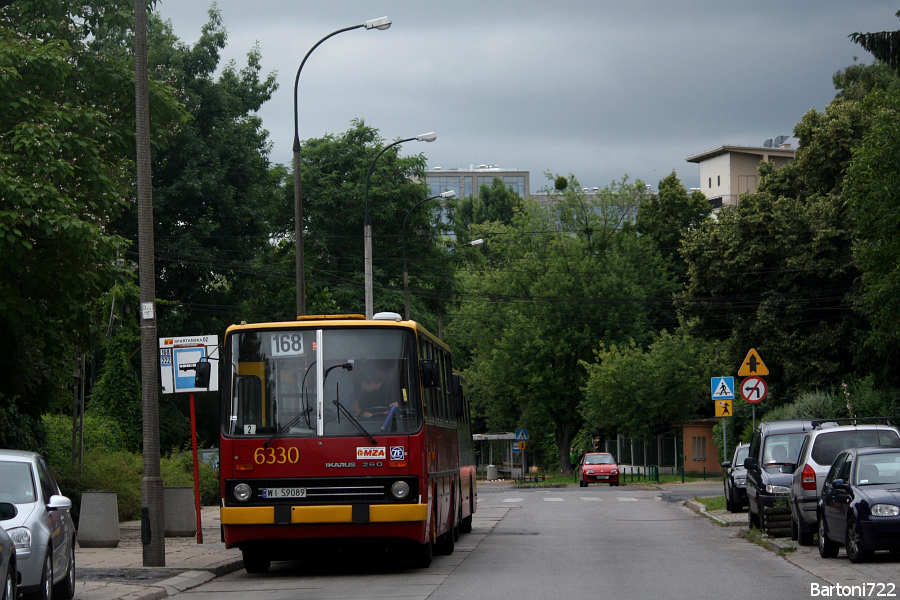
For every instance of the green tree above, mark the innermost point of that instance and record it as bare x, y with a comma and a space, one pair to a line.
334, 170
667, 216
872, 191
214, 194
64, 174
884, 45
643, 392
496, 203
556, 282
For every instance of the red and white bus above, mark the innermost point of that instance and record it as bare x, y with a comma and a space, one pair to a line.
305, 463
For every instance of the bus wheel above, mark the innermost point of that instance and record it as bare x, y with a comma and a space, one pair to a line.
255, 562
445, 544
465, 526
421, 554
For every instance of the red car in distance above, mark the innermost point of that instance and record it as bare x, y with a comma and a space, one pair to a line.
597, 467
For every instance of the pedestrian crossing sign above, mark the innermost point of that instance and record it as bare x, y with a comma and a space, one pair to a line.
722, 388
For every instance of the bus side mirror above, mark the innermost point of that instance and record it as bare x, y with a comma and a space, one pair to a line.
202, 374
430, 374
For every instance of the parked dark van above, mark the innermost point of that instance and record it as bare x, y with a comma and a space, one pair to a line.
774, 451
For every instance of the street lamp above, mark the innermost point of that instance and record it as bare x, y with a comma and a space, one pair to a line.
445, 195
367, 230
378, 24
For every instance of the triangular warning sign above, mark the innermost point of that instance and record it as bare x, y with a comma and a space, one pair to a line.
753, 365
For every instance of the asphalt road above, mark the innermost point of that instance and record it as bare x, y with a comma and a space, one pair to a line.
599, 542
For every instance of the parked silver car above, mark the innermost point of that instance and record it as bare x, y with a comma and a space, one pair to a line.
43, 530
823, 443
8, 573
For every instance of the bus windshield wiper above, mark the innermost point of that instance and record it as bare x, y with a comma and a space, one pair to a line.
341, 407
293, 422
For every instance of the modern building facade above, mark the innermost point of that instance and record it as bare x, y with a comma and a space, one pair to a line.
729, 171
467, 182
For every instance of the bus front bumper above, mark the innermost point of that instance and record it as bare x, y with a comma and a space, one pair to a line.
327, 514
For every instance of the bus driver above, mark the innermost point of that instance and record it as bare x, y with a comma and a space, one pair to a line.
377, 391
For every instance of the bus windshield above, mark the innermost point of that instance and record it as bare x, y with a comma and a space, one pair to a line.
304, 382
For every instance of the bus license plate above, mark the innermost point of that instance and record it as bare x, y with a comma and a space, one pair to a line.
283, 493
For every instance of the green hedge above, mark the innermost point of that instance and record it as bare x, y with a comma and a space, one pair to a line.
108, 466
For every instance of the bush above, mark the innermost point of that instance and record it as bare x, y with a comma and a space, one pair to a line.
122, 472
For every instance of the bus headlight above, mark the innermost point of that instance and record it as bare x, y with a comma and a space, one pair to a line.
242, 492
400, 490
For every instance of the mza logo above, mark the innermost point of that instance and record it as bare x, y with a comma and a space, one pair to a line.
397, 452
371, 453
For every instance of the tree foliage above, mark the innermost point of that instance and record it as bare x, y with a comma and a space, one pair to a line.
496, 202
872, 192
884, 45
64, 174
334, 170
556, 281
214, 194
641, 392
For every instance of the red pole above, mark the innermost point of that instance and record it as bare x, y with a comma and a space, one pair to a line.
196, 471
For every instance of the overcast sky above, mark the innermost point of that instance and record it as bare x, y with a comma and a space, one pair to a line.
599, 89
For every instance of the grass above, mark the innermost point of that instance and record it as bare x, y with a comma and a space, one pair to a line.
756, 536
712, 503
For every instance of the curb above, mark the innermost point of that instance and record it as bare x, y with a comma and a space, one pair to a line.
776, 545
185, 581
700, 509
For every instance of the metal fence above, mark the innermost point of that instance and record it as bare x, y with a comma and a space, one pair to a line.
662, 451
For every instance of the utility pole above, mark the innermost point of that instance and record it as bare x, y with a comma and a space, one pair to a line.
152, 527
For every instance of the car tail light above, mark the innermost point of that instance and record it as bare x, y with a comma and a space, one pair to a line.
808, 478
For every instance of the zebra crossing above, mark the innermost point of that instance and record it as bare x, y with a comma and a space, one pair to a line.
516, 499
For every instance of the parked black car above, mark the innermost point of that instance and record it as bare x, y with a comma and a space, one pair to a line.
736, 479
860, 503
774, 450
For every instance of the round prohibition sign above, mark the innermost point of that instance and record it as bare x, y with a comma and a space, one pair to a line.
753, 389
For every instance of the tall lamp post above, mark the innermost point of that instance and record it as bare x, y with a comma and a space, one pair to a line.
379, 24
445, 195
367, 231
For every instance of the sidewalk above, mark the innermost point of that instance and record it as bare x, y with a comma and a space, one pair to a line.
119, 573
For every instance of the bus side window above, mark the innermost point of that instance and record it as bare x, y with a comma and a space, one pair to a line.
249, 400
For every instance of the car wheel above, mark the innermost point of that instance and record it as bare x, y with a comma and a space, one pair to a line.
9, 586
827, 548
855, 552
805, 536
256, 561
753, 521
45, 591
65, 589
794, 528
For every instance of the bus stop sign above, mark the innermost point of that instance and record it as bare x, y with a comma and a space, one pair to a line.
178, 360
